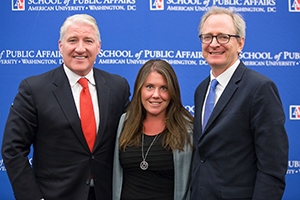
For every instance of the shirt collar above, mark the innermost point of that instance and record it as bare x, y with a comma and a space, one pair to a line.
73, 77
224, 78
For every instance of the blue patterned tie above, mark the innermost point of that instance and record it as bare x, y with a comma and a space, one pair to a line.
210, 101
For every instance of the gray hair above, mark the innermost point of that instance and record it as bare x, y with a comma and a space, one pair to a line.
238, 20
80, 18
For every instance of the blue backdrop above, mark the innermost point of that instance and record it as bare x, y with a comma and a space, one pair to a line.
134, 31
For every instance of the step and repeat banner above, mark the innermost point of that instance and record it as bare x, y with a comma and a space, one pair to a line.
134, 31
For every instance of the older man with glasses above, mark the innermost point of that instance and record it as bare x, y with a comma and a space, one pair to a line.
241, 146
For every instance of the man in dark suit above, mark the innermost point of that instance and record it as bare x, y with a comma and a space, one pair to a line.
46, 115
242, 151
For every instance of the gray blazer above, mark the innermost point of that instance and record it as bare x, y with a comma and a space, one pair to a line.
182, 168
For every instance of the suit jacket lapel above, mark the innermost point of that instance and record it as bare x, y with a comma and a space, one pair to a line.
64, 97
199, 100
229, 91
103, 102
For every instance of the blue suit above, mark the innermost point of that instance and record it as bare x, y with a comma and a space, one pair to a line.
243, 151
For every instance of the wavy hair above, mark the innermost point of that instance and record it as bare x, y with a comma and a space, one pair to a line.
238, 20
178, 120
79, 18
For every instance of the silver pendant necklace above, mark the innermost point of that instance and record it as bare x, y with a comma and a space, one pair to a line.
144, 164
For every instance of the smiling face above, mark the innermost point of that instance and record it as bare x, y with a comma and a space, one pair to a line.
221, 56
79, 48
155, 96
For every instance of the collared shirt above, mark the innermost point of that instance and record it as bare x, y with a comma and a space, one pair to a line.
223, 80
76, 89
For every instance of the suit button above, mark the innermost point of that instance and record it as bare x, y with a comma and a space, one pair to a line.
202, 159
87, 181
93, 157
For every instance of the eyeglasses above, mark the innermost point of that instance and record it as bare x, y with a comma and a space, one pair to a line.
221, 38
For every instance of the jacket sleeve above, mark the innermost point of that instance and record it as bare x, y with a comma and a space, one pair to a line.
271, 142
18, 137
183, 171
117, 169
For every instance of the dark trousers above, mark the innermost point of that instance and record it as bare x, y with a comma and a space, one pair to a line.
92, 195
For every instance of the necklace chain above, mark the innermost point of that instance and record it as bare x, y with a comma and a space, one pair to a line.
144, 164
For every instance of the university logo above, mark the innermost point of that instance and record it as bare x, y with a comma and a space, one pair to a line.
294, 5
156, 4
295, 112
18, 5
2, 167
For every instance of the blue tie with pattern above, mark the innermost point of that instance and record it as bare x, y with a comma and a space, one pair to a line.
210, 101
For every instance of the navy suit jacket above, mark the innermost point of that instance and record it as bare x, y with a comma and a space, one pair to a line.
243, 151
44, 115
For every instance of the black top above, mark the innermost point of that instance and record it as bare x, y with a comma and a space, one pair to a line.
156, 182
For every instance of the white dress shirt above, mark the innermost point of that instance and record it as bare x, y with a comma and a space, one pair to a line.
223, 80
76, 89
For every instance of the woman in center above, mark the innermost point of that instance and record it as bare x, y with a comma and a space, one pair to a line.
153, 152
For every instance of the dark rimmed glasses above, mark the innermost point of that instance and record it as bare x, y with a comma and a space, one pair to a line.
221, 38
